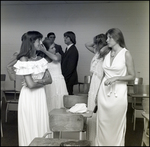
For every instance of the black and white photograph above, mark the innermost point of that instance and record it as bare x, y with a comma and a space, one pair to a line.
74, 73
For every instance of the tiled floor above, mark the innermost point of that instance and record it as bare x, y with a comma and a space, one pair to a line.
10, 130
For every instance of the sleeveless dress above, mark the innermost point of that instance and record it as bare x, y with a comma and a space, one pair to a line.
33, 119
97, 74
112, 104
57, 89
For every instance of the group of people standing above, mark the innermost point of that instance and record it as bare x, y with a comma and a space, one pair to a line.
49, 73
62, 67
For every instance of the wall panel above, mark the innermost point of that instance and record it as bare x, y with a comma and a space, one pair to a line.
86, 20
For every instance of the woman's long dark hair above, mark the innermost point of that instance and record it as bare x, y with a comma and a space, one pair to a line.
27, 43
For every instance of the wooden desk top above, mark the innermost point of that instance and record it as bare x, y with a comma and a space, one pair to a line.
146, 115
139, 95
87, 114
130, 84
48, 141
11, 91
58, 142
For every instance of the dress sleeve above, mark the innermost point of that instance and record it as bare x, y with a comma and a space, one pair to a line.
30, 67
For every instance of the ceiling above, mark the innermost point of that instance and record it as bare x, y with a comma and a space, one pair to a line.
49, 2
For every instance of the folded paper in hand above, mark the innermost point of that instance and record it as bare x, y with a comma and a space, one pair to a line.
78, 108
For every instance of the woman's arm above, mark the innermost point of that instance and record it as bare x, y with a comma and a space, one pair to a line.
99, 88
30, 83
10, 68
54, 57
90, 46
47, 79
130, 71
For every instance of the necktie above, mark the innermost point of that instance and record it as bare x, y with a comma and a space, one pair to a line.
66, 50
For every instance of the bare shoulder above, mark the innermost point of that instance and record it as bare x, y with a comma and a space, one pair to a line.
128, 54
24, 58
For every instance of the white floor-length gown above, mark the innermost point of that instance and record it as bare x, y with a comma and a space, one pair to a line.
112, 104
33, 119
97, 73
57, 89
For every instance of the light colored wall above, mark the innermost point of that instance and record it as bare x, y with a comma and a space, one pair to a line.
86, 20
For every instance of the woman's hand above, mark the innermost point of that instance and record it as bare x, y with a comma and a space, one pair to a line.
15, 54
24, 83
42, 48
110, 81
58, 54
40, 82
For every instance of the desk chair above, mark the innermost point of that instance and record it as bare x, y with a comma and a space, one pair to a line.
85, 85
58, 142
1, 130
63, 121
71, 100
1, 119
9, 87
136, 81
145, 137
141, 92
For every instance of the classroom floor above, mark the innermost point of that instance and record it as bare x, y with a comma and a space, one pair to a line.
10, 129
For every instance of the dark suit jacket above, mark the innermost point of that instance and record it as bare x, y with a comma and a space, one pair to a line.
59, 49
69, 64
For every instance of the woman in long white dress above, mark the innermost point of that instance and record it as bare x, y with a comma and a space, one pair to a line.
112, 102
57, 89
99, 48
33, 119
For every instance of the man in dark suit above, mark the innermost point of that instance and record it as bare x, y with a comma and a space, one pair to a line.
51, 38
70, 61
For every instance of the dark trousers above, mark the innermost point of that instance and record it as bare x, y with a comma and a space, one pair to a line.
70, 89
